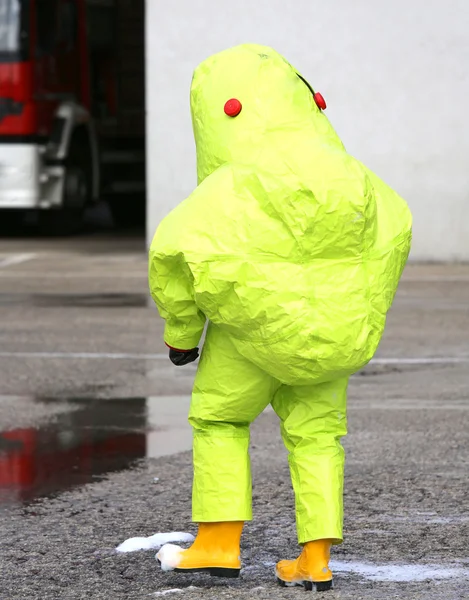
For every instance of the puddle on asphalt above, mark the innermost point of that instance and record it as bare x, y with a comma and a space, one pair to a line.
81, 445
75, 300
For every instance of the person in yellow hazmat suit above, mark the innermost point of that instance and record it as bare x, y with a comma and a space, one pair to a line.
291, 250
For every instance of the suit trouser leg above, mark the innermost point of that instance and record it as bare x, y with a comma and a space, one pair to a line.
313, 420
229, 393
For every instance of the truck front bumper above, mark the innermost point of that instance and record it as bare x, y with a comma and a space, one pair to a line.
25, 181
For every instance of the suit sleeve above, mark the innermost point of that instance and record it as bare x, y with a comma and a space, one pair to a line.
172, 290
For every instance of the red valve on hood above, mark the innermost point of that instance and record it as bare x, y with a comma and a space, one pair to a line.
319, 99
233, 107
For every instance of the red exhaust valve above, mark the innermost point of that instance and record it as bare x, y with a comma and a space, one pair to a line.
319, 99
233, 107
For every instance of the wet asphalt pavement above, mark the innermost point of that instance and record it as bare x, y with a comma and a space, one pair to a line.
91, 412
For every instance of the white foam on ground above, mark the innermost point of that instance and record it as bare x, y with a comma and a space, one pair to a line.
169, 557
269, 563
154, 542
399, 573
175, 591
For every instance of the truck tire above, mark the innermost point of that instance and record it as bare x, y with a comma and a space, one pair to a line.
77, 190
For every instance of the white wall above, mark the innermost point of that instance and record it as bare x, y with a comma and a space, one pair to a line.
394, 73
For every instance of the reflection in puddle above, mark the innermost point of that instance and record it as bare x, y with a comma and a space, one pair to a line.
94, 438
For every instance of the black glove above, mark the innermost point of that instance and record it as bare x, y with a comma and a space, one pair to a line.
183, 357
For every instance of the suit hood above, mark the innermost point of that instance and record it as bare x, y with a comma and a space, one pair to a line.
277, 109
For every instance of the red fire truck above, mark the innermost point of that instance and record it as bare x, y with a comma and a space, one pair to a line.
72, 108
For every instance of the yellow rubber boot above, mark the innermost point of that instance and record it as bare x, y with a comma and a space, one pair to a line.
215, 550
310, 569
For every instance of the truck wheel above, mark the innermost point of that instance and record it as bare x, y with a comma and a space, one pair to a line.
76, 191
75, 198
68, 218
77, 184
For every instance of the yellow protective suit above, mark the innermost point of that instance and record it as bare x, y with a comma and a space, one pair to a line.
292, 250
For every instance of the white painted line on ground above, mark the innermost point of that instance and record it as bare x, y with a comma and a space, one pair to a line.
16, 259
391, 404
423, 360
68, 275
86, 355
436, 279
